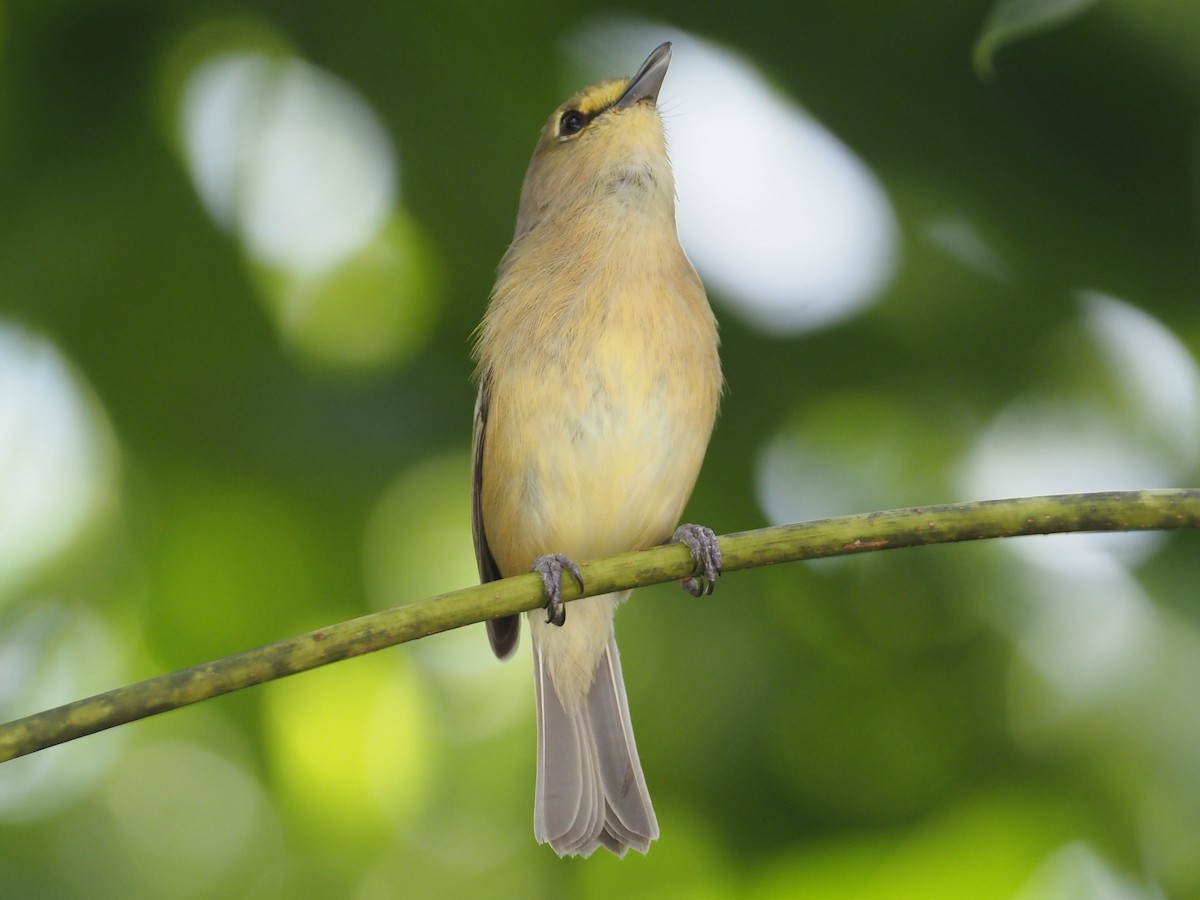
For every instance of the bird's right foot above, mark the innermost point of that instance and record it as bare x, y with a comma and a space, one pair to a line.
551, 567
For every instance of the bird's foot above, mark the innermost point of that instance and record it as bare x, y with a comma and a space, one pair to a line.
707, 554
551, 568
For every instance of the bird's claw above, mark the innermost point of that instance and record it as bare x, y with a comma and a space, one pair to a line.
707, 554
551, 568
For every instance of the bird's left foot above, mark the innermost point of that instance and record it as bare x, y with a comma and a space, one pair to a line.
551, 568
707, 554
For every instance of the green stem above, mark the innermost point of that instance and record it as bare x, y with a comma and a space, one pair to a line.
1114, 511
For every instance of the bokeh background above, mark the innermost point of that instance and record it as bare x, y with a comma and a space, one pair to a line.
242, 249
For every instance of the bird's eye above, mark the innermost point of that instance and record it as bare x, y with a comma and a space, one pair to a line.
572, 122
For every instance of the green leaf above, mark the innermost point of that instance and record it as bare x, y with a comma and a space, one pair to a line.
1011, 20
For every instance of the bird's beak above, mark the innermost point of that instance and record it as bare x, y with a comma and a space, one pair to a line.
649, 78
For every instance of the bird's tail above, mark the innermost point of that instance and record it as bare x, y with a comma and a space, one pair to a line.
590, 788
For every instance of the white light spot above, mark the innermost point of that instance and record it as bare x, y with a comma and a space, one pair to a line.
51, 654
289, 156
798, 481
217, 125
55, 459
1076, 870
958, 237
185, 814
1088, 633
1035, 448
1155, 372
1085, 442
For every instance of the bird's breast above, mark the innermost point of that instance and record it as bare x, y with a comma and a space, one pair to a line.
599, 419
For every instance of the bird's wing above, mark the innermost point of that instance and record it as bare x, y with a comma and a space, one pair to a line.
504, 631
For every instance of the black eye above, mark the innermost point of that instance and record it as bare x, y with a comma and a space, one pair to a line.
572, 122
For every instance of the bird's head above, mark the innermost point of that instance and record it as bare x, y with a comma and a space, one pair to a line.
605, 142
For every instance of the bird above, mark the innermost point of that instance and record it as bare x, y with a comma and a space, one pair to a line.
599, 381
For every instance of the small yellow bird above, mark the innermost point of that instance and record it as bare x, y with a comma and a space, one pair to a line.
598, 388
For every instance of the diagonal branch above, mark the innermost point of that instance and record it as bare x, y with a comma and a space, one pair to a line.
1110, 511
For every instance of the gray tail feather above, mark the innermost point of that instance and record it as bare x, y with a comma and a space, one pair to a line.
590, 788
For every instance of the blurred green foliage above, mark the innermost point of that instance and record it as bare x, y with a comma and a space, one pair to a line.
273, 450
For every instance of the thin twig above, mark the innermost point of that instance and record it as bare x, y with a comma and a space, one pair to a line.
1112, 511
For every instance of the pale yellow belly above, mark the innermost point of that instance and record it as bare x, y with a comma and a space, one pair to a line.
594, 462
